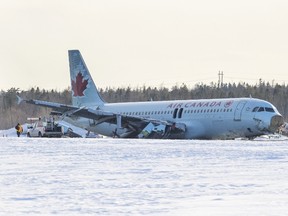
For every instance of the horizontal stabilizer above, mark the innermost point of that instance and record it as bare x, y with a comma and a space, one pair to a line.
19, 99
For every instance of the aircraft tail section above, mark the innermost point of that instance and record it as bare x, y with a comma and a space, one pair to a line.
84, 90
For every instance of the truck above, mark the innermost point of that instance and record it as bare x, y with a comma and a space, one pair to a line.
44, 127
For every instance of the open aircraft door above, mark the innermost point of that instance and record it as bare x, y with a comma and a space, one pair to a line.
238, 110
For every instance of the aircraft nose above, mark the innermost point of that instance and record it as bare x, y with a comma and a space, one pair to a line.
276, 122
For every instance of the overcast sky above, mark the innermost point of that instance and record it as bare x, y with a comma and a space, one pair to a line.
143, 42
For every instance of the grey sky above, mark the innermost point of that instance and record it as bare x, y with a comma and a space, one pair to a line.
149, 42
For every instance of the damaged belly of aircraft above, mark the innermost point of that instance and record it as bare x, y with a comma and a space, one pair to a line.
144, 131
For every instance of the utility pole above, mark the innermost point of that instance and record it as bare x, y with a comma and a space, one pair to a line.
220, 79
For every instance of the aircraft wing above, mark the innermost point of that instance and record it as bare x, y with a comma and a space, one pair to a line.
134, 125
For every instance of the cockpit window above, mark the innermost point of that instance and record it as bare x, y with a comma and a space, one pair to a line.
262, 109
268, 109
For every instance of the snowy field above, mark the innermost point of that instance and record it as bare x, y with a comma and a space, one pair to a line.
142, 177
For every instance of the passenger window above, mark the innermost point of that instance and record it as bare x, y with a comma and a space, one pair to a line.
261, 109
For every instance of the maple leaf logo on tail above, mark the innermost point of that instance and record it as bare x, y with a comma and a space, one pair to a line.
79, 85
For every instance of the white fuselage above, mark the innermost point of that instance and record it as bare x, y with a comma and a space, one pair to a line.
207, 118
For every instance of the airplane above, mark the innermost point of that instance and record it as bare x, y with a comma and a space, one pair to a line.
225, 118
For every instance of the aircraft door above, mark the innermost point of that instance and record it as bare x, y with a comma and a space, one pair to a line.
179, 112
238, 110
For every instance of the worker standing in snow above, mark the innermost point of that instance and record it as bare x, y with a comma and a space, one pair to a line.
19, 129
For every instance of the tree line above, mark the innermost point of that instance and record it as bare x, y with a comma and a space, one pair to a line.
11, 113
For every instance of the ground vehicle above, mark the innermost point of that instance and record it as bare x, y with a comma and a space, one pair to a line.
45, 127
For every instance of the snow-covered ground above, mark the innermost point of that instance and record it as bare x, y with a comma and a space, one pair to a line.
41, 176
